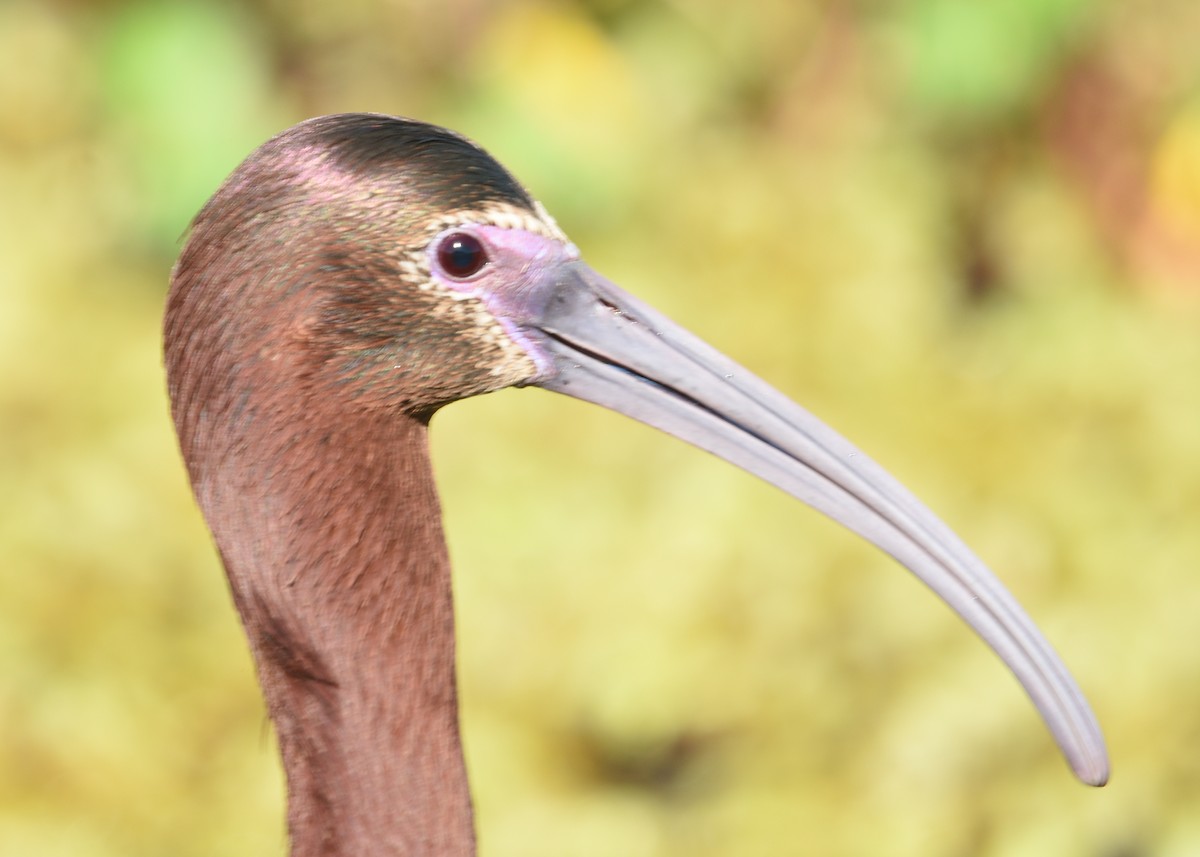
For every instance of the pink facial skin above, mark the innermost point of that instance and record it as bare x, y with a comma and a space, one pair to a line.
515, 283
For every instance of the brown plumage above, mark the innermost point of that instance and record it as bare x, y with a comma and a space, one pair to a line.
308, 452
317, 317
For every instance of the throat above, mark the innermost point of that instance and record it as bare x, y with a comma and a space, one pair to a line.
342, 580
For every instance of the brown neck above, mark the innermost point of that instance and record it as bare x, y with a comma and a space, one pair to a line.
331, 536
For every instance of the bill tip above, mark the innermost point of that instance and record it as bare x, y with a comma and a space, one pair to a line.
1092, 771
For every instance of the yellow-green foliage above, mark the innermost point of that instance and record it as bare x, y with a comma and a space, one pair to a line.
965, 234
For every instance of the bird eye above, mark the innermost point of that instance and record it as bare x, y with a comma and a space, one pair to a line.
461, 255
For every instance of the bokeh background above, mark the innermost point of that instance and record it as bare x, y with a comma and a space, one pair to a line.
965, 234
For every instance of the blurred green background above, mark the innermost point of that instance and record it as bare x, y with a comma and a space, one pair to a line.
965, 234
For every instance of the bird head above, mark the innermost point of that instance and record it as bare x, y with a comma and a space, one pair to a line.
365, 262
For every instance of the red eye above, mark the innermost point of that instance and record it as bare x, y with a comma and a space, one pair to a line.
461, 255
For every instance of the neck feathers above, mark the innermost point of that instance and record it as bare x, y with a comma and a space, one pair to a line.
339, 569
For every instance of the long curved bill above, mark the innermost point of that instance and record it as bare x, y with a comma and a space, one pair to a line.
609, 348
